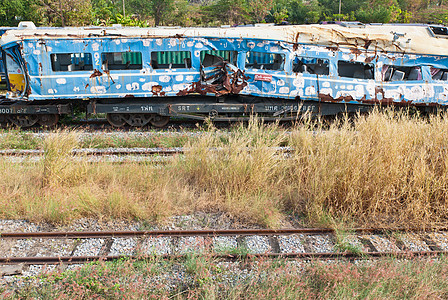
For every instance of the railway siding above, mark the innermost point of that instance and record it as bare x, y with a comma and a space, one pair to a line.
36, 254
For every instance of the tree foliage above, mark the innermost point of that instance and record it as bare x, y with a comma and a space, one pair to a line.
14, 11
217, 12
65, 12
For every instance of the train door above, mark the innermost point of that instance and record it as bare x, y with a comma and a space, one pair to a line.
311, 77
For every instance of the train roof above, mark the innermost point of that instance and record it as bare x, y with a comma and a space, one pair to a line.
405, 38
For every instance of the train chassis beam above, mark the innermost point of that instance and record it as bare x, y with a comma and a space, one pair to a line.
28, 115
158, 114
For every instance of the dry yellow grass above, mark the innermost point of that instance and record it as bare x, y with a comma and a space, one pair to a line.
384, 168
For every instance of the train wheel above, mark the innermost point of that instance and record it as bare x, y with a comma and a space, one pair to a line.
137, 120
48, 120
116, 120
24, 120
159, 121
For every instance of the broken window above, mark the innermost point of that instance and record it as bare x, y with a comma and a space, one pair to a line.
216, 57
395, 73
71, 62
265, 61
355, 70
122, 60
171, 60
439, 74
308, 65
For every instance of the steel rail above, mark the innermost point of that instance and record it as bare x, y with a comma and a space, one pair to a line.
117, 151
211, 232
233, 257
98, 152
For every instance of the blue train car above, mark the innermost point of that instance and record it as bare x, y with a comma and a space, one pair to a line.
140, 76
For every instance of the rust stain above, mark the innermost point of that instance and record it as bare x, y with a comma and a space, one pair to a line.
96, 73
225, 83
370, 59
108, 76
157, 90
379, 90
328, 98
367, 43
356, 51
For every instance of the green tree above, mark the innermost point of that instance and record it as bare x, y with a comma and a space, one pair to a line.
259, 9
230, 12
279, 12
159, 10
66, 12
302, 13
14, 11
331, 7
104, 10
184, 14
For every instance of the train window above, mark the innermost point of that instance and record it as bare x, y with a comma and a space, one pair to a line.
171, 60
265, 61
439, 74
395, 73
355, 70
308, 65
71, 62
213, 57
122, 60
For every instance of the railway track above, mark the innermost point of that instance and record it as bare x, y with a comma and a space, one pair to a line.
112, 155
100, 152
41, 248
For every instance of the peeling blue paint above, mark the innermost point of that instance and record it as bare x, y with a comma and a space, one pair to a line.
147, 82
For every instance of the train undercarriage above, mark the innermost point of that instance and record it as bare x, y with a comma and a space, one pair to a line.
158, 111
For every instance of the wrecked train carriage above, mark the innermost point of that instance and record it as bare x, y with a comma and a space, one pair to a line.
140, 76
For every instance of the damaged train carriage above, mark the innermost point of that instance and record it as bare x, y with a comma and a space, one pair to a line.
140, 76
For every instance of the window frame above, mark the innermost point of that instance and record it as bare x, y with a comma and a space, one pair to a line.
406, 70
103, 60
170, 65
85, 67
282, 64
326, 62
372, 69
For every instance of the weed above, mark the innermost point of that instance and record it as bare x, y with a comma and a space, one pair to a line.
265, 279
379, 169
